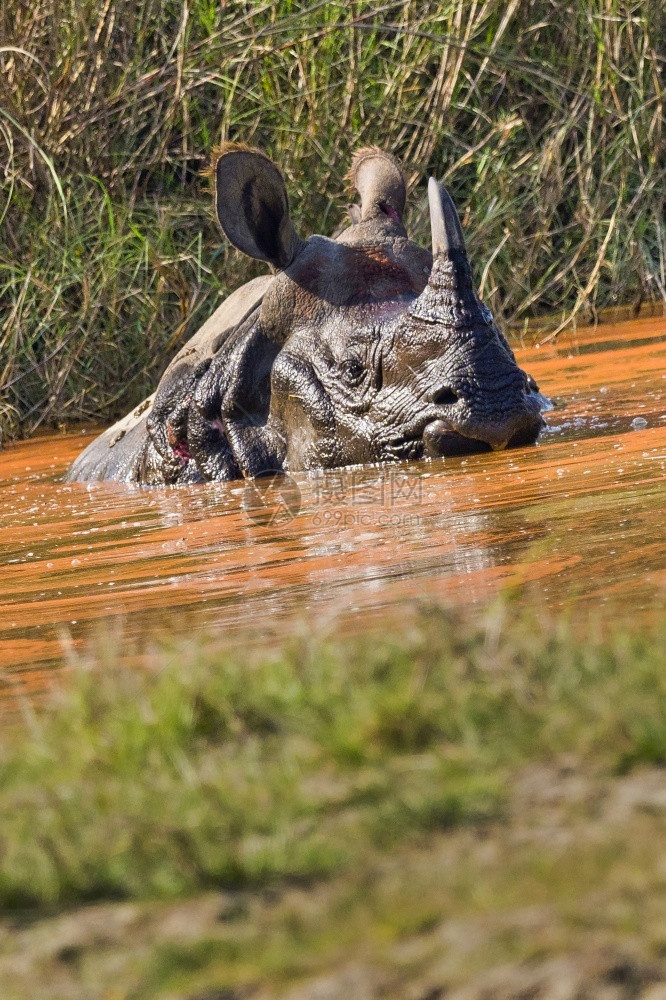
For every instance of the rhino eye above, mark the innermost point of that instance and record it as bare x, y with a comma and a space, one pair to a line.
352, 370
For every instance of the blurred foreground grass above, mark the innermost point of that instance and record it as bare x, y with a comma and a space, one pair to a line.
211, 769
544, 118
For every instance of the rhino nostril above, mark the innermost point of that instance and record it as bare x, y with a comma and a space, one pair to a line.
445, 397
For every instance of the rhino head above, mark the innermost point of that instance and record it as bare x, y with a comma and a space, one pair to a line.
366, 348
363, 348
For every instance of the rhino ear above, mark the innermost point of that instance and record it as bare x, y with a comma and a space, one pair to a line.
354, 212
252, 205
378, 178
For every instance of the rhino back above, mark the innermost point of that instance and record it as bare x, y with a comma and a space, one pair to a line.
117, 452
227, 317
120, 453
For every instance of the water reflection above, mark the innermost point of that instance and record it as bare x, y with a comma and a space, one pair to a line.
578, 518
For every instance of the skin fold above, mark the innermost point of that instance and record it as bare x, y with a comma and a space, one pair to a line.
363, 348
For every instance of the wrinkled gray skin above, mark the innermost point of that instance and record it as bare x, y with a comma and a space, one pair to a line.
365, 348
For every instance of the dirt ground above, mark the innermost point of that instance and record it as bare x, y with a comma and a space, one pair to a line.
564, 899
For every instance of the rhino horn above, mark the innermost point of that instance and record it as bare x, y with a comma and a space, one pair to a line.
447, 234
449, 297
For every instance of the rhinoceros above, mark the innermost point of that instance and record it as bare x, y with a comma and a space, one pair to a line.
358, 349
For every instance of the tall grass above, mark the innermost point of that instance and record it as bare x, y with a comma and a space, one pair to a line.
544, 118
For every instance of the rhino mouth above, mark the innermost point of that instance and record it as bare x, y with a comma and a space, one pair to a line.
441, 441
434, 440
434, 436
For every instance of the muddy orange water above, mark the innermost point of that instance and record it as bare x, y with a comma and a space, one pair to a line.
579, 518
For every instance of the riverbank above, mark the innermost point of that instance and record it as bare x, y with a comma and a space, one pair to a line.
564, 899
478, 798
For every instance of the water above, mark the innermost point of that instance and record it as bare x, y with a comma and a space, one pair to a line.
578, 520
